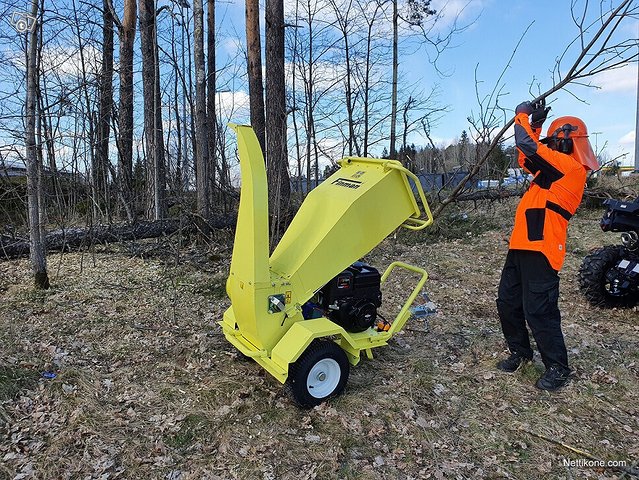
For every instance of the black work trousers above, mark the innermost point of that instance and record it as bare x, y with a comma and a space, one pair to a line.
529, 292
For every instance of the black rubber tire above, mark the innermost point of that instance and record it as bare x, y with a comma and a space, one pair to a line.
298, 372
592, 277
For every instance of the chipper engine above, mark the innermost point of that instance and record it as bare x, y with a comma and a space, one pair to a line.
308, 311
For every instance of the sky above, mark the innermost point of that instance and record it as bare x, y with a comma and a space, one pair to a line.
482, 51
490, 41
478, 58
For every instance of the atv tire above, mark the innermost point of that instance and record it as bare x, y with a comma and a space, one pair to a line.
592, 277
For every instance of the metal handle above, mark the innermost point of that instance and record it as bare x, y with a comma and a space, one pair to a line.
415, 223
403, 314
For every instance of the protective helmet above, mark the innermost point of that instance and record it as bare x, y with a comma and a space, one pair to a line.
569, 135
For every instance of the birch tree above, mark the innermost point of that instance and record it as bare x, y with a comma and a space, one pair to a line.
211, 113
202, 158
34, 165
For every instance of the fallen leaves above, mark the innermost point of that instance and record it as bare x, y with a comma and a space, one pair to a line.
147, 387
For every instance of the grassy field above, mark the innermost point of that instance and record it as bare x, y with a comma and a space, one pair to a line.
146, 386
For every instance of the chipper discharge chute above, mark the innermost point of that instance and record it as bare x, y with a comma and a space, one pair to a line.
306, 313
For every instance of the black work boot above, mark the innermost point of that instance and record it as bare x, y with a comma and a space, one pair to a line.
512, 363
553, 378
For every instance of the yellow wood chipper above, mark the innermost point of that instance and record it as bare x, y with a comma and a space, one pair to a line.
307, 312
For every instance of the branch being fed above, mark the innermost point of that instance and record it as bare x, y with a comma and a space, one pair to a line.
599, 54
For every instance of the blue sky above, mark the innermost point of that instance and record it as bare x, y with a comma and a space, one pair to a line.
491, 40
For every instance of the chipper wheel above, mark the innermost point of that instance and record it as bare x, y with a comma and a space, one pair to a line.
321, 372
592, 277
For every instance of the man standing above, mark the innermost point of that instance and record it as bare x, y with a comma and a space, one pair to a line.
529, 285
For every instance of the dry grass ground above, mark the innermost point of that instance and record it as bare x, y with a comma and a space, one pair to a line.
147, 386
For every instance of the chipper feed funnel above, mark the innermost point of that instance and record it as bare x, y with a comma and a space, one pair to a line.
340, 221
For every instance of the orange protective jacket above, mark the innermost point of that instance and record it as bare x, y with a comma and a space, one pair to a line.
541, 221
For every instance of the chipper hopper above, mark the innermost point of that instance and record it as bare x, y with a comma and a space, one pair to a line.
308, 312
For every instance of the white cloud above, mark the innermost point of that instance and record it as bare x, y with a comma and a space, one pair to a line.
233, 105
623, 79
67, 61
232, 46
326, 75
450, 10
323, 12
628, 140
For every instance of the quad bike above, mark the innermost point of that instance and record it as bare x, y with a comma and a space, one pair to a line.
609, 276
308, 311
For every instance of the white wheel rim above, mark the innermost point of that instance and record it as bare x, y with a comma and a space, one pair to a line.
323, 378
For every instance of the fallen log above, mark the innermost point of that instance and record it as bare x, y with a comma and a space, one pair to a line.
77, 238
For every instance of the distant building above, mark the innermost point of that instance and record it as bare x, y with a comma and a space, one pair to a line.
12, 171
20, 171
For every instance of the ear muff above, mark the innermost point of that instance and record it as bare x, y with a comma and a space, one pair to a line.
561, 144
565, 145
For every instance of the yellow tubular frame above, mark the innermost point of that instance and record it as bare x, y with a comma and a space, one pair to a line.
417, 223
404, 313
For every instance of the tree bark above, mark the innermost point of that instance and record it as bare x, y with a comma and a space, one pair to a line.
211, 102
202, 160
154, 141
393, 127
276, 158
34, 166
100, 170
254, 59
125, 109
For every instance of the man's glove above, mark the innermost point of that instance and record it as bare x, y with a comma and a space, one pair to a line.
539, 114
524, 107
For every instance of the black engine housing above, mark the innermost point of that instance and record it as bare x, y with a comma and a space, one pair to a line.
620, 216
351, 298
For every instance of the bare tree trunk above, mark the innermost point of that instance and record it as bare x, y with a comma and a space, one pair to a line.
34, 166
254, 59
156, 176
211, 102
393, 128
309, 102
185, 151
158, 133
189, 95
125, 110
99, 168
294, 108
201, 162
276, 158
177, 183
